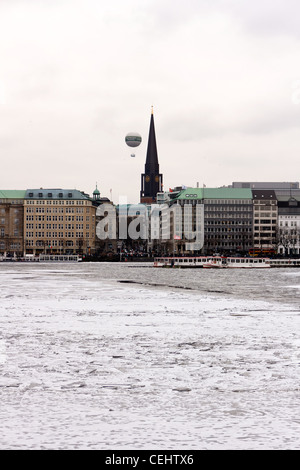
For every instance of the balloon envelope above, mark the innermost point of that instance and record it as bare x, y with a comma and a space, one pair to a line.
133, 139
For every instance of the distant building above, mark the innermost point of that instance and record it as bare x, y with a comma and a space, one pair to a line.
288, 225
228, 220
11, 223
151, 180
266, 185
265, 219
58, 221
280, 188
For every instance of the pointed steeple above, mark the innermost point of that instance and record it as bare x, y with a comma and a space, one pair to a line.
152, 158
151, 182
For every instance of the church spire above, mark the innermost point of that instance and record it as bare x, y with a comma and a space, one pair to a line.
151, 182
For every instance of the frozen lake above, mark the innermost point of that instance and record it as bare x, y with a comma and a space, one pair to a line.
175, 359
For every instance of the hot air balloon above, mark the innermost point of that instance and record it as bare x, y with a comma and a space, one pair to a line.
133, 139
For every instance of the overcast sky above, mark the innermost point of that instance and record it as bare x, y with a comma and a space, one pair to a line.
77, 75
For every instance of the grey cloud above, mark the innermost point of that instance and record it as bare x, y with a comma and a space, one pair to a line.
258, 119
267, 120
265, 17
193, 125
163, 16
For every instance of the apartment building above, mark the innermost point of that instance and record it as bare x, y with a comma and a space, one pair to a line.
58, 221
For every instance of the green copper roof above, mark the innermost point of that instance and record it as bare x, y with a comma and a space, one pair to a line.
12, 194
215, 193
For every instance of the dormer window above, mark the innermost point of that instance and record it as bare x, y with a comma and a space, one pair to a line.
293, 202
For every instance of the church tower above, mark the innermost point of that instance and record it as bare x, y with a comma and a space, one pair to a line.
151, 181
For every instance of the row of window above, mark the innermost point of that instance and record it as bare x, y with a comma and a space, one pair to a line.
289, 233
264, 235
217, 242
15, 211
3, 221
292, 223
227, 222
58, 202
11, 201
57, 226
228, 215
55, 210
50, 195
16, 232
56, 234
11, 246
51, 243
265, 228
236, 230
69, 218
228, 201
232, 210
265, 221
61, 218
209, 239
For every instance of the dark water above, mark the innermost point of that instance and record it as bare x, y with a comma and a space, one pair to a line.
271, 285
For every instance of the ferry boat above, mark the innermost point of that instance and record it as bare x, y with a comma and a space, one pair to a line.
217, 262
285, 263
60, 258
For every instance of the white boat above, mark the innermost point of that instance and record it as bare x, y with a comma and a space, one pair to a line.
285, 263
211, 262
184, 262
248, 263
60, 258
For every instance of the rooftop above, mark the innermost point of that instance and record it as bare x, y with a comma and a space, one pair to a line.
12, 194
215, 193
264, 194
48, 193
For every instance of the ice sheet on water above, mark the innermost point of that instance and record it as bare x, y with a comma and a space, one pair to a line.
88, 362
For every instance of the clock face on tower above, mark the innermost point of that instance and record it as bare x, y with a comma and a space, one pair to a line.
157, 179
147, 179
